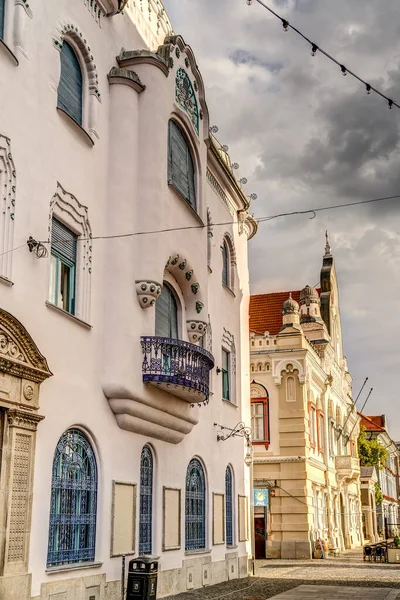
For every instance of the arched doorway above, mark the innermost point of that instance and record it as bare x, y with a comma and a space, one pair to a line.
21, 363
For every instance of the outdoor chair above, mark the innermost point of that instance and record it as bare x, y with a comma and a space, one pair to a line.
368, 553
380, 553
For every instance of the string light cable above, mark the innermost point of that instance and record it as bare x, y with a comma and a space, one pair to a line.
316, 48
312, 211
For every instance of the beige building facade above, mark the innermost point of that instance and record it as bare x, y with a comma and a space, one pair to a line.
304, 423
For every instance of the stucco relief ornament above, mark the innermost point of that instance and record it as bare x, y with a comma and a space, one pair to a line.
147, 292
196, 330
199, 306
28, 391
186, 97
10, 348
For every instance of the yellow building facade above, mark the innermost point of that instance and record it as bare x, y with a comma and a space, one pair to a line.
304, 423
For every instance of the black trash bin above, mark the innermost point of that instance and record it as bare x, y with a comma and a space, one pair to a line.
142, 578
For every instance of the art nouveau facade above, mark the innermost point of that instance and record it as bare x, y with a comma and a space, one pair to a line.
304, 422
123, 308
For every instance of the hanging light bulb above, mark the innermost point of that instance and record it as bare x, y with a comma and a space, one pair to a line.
314, 49
390, 104
343, 69
249, 2
285, 24
368, 88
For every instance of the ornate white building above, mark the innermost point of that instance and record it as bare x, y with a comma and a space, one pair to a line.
123, 308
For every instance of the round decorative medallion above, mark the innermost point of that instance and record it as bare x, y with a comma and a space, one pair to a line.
28, 391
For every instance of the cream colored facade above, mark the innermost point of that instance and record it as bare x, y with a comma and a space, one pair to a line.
311, 453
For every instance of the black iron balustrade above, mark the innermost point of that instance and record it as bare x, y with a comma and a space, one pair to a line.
178, 367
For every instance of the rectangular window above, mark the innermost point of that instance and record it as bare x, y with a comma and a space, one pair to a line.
313, 427
321, 437
225, 375
257, 421
62, 267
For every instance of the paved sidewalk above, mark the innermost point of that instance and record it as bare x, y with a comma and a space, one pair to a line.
346, 577
330, 592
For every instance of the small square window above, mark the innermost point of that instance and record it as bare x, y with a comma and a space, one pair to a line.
62, 267
225, 375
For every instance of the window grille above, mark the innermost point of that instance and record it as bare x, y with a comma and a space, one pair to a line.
2, 11
72, 532
195, 507
180, 165
166, 314
70, 87
229, 506
146, 501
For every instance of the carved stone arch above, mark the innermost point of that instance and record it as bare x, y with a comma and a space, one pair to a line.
181, 48
195, 300
286, 365
19, 355
257, 390
7, 206
71, 33
66, 208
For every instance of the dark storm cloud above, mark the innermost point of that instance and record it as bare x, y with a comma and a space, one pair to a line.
305, 136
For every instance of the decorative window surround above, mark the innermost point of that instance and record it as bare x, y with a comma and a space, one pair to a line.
228, 343
91, 93
186, 98
66, 208
17, 13
8, 179
147, 292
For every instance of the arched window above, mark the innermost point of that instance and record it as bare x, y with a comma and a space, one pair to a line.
70, 87
180, 165
229, 506
166, 314
195, 507
72, 532
225, 265
2, 11
146, 501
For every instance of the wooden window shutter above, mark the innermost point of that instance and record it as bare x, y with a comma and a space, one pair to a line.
70, 88
180, 165
63, 241
2, 11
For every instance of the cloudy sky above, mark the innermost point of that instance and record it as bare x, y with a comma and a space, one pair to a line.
305, 136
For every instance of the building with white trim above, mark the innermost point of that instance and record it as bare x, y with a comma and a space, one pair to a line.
123, 308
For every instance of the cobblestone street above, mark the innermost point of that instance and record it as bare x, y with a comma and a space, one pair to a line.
346, 576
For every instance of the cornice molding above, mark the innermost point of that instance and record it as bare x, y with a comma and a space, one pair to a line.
23, 420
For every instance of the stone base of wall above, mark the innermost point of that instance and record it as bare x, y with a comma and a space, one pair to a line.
290, 549
15, 587
196, 572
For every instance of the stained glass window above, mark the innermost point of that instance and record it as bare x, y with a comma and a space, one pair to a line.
146, 501
229, 506
185, 96
72, 532
195, 507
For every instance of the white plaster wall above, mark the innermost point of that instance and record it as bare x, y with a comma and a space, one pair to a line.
46, 149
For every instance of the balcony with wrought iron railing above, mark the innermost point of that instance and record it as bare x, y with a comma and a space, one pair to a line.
180, 368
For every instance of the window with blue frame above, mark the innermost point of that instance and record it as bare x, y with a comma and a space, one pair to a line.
2, 14
72, 531
195, 507
62, 282
146, 501
229, 506
70, 87
181, 174
225, 375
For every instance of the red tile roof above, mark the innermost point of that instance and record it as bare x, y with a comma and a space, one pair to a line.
375, 423
266, 311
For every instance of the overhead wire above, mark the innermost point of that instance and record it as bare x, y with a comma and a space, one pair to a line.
317, 48
311, 211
